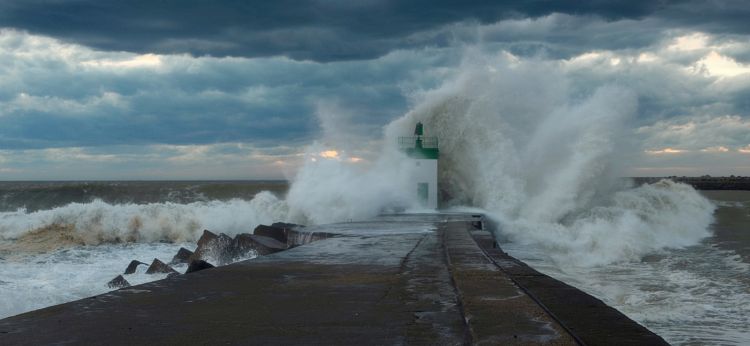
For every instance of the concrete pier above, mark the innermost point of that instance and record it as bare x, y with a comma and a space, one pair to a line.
399, 279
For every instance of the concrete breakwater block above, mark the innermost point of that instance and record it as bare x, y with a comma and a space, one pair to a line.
133, 266
297, 238
278, 233
290, 234
262, 245
222, 249
182, 256
158, 266
198, 265
214, 247
206, 237
118, 282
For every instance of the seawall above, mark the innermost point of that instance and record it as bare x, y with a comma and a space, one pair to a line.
397, 279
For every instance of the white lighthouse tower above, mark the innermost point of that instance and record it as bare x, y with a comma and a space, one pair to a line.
424, 152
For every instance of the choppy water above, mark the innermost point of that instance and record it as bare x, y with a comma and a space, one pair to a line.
62, 241
35, 280
696, 295
67, 243
34, 196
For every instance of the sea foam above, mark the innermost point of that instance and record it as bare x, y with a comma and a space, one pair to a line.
99, 222
545, 160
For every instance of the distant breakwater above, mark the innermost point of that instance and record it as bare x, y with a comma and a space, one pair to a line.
704, 182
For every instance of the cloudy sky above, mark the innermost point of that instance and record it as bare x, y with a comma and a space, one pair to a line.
97, 89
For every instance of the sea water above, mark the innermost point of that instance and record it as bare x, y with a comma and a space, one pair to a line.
696, 294
63, 241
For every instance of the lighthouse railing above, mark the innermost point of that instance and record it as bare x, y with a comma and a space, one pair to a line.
410, 142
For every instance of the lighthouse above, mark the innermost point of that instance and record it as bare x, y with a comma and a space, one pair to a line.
424, 152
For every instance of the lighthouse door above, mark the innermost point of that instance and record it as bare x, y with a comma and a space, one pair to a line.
422, 193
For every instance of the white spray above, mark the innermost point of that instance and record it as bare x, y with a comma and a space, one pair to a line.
547, 164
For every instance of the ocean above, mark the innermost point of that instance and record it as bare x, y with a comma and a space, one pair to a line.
62, 241
690, 295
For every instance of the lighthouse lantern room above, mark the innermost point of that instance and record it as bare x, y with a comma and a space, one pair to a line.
424, 152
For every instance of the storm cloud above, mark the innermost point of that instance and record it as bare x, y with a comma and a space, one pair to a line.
331, 30
141, 88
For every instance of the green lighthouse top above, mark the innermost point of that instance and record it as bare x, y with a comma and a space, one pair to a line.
419, 130
419, 146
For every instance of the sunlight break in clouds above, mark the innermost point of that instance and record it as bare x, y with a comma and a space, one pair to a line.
689, 42
139, 61
329, 154
719, 65
719, 149
665, 151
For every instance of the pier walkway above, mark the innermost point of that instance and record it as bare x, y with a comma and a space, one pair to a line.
425, 279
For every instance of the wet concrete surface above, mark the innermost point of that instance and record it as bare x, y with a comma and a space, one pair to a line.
589, 320
412, 279
496, 310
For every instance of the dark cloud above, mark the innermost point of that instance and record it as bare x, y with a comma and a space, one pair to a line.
361, 61
321, 30
717, 16
57, 98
